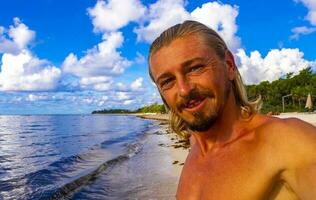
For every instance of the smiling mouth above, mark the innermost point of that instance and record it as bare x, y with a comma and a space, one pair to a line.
195, 104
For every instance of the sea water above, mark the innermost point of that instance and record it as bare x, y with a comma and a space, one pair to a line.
74, 156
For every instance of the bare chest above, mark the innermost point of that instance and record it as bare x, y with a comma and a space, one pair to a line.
234, 174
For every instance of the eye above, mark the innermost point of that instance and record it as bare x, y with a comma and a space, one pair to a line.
196, 68
166, 83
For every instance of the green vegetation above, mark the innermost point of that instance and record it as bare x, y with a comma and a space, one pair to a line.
111, 111
153, 108
296, 87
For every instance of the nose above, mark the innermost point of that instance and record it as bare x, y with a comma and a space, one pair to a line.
184, 87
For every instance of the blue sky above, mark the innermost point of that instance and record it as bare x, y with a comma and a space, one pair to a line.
72, 57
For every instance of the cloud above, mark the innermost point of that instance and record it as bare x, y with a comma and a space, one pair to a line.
311, 17
16, 38
6, 45
302, 30
21, 34
140, 59
115, 14
161, 15
98, 83
128, 102
20, 69
137, 84
25, 72
311, 6
122, 96
34, 97
222, 18
255, 68
99, 64
166, 13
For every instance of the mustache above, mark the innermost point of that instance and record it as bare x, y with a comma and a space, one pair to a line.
193, 94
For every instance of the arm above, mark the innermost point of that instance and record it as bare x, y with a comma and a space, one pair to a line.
300, 172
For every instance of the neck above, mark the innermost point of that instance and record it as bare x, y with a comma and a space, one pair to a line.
227, 128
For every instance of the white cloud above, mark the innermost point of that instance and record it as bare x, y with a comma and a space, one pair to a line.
34, 97
122, 96
21, 34
16, 38
94, 80
255, 68
137, 84
99, 83
311, 6
88, 100
115, 14
128, 102
6, 45
222, 18
161, 15
302, 30
311, 17
25, 72
166, 13
121, 86
102, 86
99, 64
140, 59
20, 70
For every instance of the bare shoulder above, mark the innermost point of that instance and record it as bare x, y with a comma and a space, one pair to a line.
289, 128
292, 138
294, 146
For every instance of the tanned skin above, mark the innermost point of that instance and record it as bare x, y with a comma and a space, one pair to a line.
236, 158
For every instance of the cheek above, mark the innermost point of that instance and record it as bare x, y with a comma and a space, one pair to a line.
169, 98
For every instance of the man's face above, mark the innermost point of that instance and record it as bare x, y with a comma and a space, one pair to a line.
192, 79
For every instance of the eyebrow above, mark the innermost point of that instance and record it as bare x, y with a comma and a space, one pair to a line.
183, 65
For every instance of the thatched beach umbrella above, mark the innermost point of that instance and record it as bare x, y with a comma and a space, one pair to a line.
309, 103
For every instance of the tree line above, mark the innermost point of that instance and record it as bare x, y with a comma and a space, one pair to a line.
293, 88
153, 108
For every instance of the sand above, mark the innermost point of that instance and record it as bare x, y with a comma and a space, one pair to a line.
307, 117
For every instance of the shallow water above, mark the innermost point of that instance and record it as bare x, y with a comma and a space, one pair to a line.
69, 156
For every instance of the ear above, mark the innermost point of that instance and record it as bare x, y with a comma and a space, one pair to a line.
231, 66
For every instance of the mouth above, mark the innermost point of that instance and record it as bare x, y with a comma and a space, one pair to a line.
195, 105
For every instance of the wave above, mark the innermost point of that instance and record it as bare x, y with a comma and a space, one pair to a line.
68, 189
61, 178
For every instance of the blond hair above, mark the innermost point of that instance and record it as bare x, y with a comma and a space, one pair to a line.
212, 39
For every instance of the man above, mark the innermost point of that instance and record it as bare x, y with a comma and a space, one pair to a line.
236, 153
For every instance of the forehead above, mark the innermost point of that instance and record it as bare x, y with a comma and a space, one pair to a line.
177, 52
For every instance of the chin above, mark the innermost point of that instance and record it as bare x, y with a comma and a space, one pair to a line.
200, 121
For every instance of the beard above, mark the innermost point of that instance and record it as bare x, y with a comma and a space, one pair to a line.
203, 120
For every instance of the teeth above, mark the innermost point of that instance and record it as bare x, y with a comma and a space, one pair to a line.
193, 103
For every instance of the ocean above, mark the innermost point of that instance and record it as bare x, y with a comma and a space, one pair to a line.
83, 157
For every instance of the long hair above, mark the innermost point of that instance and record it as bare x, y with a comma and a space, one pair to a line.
213, 40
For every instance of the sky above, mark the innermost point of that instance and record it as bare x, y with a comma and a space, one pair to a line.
76, 56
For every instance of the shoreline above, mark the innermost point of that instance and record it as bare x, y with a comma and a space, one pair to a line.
176, 147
